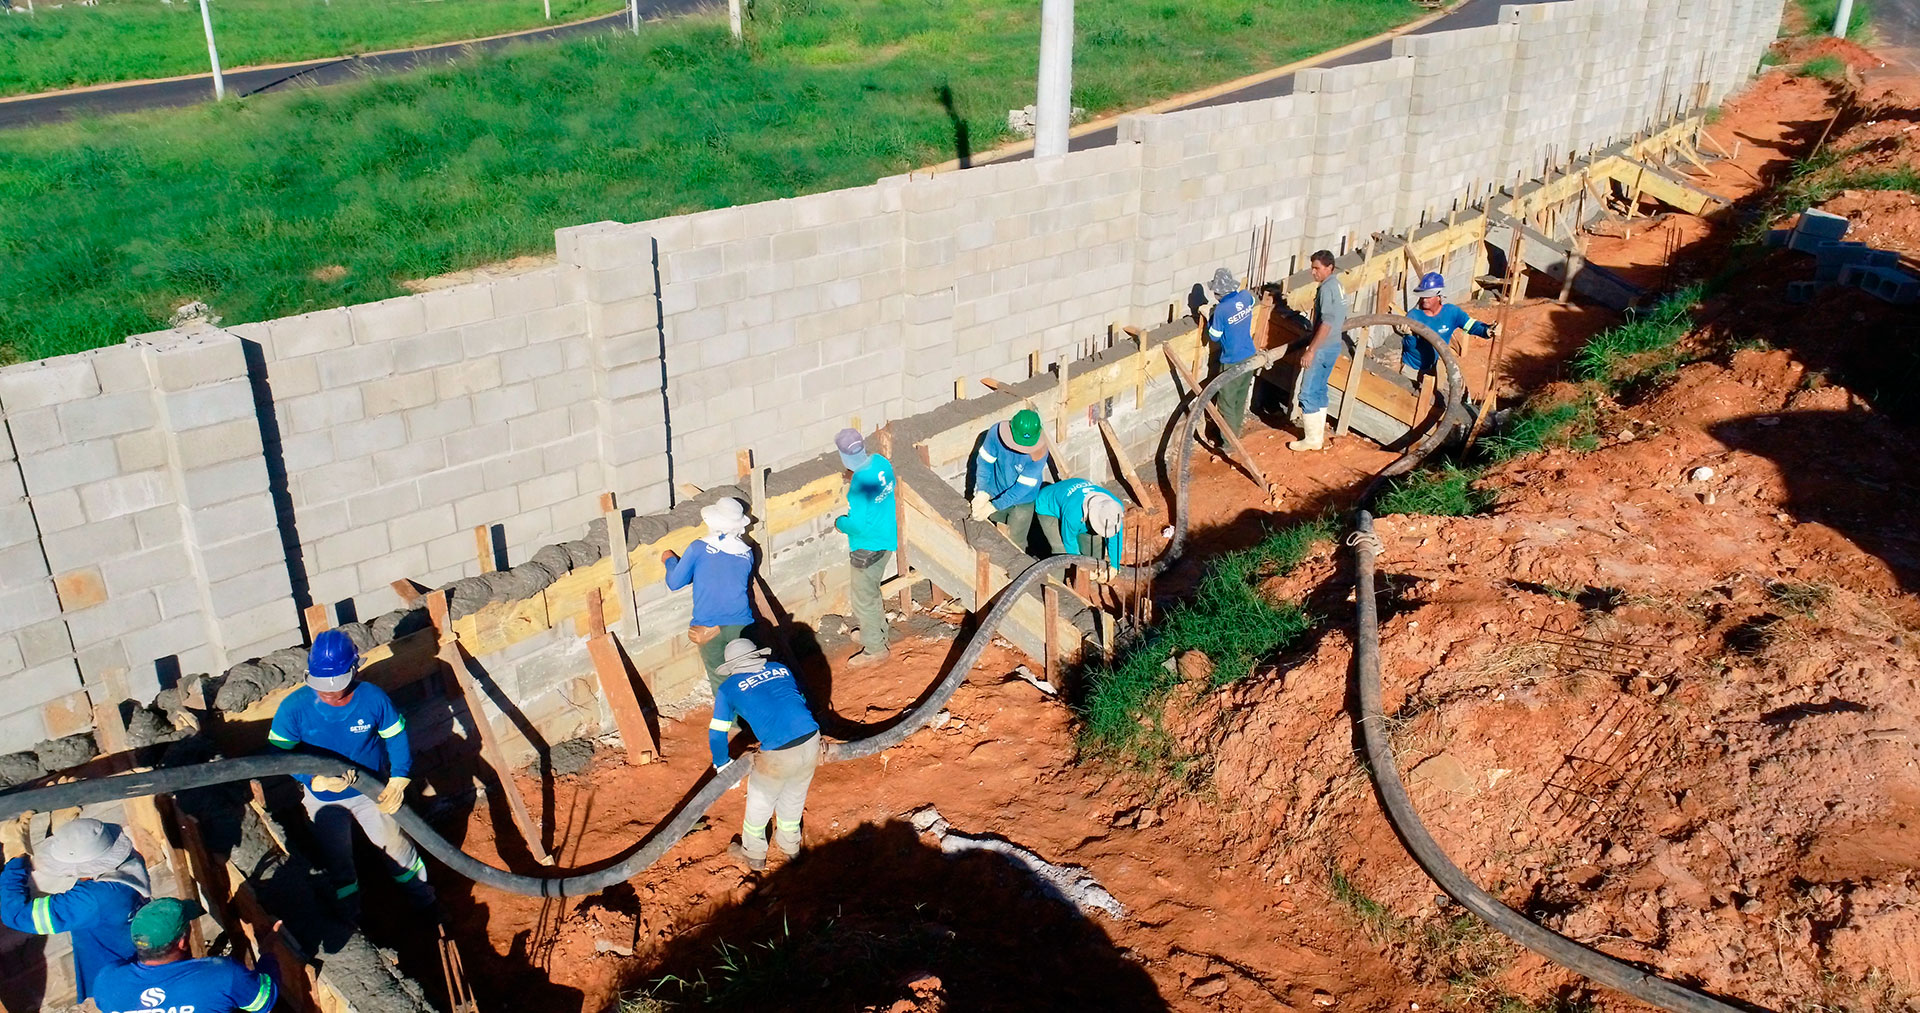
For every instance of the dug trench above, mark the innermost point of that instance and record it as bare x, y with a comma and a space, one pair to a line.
1667, 711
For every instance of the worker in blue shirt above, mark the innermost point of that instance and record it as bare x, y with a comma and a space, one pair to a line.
1444, 318
1232, 330
719, 565
766, 696
89, 880
332, 715
162, 976
1081, 517
873, 532
1008, 469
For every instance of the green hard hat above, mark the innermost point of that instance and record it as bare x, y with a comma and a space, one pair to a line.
1026, 429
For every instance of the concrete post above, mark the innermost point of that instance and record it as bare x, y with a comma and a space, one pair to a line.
1841, 17
213, 53
1053, 106
733, 18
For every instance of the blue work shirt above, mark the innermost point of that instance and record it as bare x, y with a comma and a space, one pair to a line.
1068, 501
1232, 327
870, 522
769, 700
1009, 475
720, 582
206, 985
95, 912
1414, 351
1330, 307
367, 731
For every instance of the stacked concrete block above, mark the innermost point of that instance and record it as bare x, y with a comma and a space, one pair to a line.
36, 653
1456, 113
1359, 149
1548, 49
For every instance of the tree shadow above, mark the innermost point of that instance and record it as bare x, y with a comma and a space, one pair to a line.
1851, 471
858, 922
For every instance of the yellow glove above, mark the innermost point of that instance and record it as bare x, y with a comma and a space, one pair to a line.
322, 782
396, 793
13, 836
982, 506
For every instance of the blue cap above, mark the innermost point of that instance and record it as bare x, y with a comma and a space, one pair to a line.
331, 663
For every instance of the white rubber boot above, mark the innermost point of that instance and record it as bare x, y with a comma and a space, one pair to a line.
1315, 435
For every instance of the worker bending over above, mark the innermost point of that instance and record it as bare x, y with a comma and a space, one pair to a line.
1323, 350
90, 882
873, 532
1232, 330
1008, 470
720, 568
1418, 358
1078, 516
765, 695
332, 715
161, 975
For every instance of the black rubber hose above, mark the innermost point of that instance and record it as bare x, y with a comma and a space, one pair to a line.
1433, 860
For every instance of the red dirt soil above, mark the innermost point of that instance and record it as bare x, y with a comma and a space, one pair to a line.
1753, 828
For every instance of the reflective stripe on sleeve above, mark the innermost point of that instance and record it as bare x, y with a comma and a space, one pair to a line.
718, 725
260, 998
411, 871
987, 456
399, 725
43, 916
282, 741
1024, 480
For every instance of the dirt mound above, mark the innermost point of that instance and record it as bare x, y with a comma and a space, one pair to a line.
1664, 699
1848, 52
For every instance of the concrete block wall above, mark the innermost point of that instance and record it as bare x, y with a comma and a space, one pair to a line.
403, 424
1359, 146
1462, 82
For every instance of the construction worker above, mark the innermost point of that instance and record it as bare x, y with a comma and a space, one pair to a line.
766, 695
873, 532
1443, 318
89, 883
1078, 516
719, 565
1323, 350
161, 975
1232, 330
332, 715
1008, 470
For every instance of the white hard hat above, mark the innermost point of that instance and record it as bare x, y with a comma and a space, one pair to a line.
84, 848
1104, 514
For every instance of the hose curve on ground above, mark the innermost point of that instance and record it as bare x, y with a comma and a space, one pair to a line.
1388, 784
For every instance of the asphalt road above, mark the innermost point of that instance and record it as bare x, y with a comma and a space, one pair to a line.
190, 90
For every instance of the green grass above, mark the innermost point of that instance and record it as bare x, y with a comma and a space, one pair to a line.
1817, 17
107, 226
1804, 599
1377, 917
1537, 426
1226, 618
125, 40
1643, 344
1826, 68
1445, 491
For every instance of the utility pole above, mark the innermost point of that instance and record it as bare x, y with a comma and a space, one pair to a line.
633, 15
733, 18
1054, 104
213, 53
547, 5
1841, 17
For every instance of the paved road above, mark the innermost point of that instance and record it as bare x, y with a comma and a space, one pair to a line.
1897, 25
190, 90
1471, 14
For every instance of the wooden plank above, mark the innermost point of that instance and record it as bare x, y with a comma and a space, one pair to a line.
622, 564
1129, 475
1051, 626
315, 616
300, 984
757, 492
407, 591
483, 547
617, 685
1060, 402
450, 656
1670, 190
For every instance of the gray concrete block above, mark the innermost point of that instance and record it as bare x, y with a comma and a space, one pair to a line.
47, 382
408, 462
259, 550
425, 351
538, 428
493, 336
125, 494
308, 334
467, 377
187, 360
452, 484
368, 437
457, 306
398, 393
35, 430
303, 451
423, 526
105, 415
377, 506
347, 367
174, 637
237, 594
147, 569
68, 466
505, 403
381, 322
343, 550
328, 484
265, 627
116, 617
220, 483
225, 441
487, 508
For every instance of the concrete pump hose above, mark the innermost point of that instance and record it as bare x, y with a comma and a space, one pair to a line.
1407, 825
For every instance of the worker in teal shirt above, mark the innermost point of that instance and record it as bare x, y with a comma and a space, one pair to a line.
1008, 470
89, 880
1232, 330
1078, 516
333, 715
873, 533
162, 976
1443, 318
766, 695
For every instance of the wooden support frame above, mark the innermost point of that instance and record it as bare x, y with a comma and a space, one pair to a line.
1238, 449
1129, 475
622, 564
616, 686
450, 656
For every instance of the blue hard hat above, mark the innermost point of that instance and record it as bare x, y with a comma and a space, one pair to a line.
1431, 282
331, 663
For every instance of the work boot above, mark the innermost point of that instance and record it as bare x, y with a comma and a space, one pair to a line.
1314, 432
862, 659
739, 851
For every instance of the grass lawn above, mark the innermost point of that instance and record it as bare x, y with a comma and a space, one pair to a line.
107, 225
126, 40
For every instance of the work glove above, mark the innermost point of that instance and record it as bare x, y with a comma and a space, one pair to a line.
322, 782
982, 506
1493, 330
13, 836
1105, 573
395, 793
